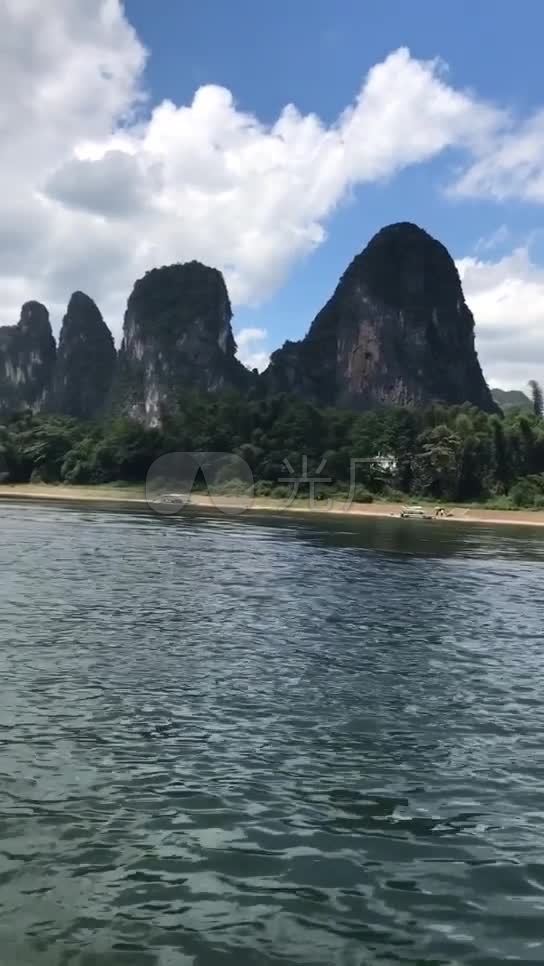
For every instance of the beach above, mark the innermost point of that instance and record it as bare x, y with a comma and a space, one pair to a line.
118, 495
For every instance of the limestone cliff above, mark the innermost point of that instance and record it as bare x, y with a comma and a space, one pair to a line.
85, 360
27, 360
177, 336
396, 331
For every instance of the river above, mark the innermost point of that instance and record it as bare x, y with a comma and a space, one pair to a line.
269, 740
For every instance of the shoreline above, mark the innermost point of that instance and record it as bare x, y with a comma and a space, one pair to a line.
117, 497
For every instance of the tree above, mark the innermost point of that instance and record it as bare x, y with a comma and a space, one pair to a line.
476, 475
445, 452
36, 446
528, 491
536, 396
501, 452
438, 462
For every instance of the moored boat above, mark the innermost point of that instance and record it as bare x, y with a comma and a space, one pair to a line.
415, 513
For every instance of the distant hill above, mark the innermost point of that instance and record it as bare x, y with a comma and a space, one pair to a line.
511, 399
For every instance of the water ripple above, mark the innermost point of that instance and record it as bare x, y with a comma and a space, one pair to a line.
235, 742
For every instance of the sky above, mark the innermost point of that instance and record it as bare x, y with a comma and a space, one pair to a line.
272, 141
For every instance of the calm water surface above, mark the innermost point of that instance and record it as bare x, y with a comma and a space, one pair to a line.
269, 741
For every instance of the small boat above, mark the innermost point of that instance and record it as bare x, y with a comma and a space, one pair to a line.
415, 513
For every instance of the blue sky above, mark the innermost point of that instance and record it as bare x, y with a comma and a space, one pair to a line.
142, 133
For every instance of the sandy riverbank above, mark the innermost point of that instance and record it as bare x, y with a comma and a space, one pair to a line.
123, 495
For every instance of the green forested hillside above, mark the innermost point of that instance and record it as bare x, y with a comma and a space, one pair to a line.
457, 454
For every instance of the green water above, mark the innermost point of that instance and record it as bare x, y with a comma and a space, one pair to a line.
269, 741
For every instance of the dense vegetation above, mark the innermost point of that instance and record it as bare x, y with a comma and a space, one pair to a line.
454, 454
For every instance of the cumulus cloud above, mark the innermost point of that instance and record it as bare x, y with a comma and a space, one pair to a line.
108, 188
252, 198
252, 349
98, 186
510, 166
115, 186
507, 299
69, 71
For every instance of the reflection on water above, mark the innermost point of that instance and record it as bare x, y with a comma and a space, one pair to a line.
269, 741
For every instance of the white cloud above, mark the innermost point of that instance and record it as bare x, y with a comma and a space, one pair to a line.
511, 165
497, 239
252, 349
507, 299
251, 198
107, 191
69, 70
114, 187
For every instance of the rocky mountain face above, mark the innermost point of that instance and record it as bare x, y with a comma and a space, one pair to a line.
85, 360
27, 360
177, 336
396, 331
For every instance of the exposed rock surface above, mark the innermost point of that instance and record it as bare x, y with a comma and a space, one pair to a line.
396, 331
85, 360
27, 360
177, 336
